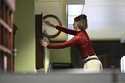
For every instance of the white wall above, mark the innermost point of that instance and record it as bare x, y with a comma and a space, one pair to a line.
105, 18
55, 7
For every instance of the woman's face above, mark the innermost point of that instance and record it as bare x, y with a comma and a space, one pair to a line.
79, 25
75, 25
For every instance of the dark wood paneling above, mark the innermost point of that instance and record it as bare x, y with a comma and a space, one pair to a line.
39, 48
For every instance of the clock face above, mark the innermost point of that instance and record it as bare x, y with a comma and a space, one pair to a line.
49, 31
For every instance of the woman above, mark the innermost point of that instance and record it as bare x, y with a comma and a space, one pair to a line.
81, 40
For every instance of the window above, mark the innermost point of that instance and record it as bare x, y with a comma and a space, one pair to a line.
73, 11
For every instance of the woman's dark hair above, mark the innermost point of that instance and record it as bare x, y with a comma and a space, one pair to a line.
80, 17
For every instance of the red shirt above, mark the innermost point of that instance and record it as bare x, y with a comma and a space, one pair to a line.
80, 39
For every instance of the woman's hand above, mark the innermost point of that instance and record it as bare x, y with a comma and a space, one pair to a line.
50, 24
44, 42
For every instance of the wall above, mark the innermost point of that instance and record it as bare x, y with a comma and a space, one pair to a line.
58, 8
55, 7
105, 19
25, 36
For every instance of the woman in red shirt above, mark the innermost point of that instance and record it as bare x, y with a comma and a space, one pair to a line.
81, 40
